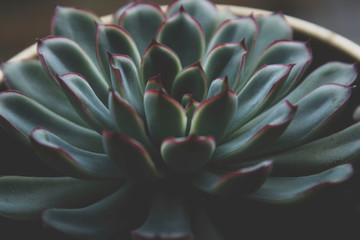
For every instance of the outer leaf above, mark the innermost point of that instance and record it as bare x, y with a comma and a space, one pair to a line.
165, 117
314, 112
213, 115
125, 80
142, 21
85, 102
332, 72
187, 155
27, 197
61, 56
20, 115
78, 25
252, 138
31, 79
319, 155
258, 92
226, 59
130, 157
191, 80
241, 182
235, 30
70, 160
284, 190
160, 60
204, 11
98, 221
113, 39
184, 35
170, 224
127, 120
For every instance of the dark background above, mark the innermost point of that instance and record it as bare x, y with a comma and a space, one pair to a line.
22, 21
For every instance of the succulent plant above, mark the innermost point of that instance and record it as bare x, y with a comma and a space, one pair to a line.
147, 118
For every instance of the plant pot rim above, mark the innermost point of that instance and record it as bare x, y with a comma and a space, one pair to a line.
312, 30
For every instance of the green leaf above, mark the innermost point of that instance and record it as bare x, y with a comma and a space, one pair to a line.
98, 221
115, 40
191, 80
285, 190
20, 115
225, 59
78, 25
315, 110
85, 102
239, 183
31, 79
142, 21
258, 92
165, 116
271, 28
70, 160
174, 223
28, 197
125, 80
253, 137
189, 154
61, 56
235, 30
203, 10
132, 159
287, 52
319, 155
160, 60
217, 86
127, 120
183, 35
332, 72
213, 116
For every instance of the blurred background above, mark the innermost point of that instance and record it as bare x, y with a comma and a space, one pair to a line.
22, 21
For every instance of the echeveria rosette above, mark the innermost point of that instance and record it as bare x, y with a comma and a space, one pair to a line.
158, 108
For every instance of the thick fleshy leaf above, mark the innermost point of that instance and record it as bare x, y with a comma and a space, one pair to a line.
253, 137
184, 35
213, 116
258, 92
115, 40
315, 110
125, 80
287, 52
285, 190
165, 116
240, 182
160, 60
20, 115
190, 106
142, 21
70, 160
235, 30
187, 155
203, 227
319, 155
203, 10
191, 80
174, 223
61, 56
127, 120
332, 72
130, 157
271, 28
217, 86
31, 79
28, 197
226, 59
78, 25
85, 102
98, 221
